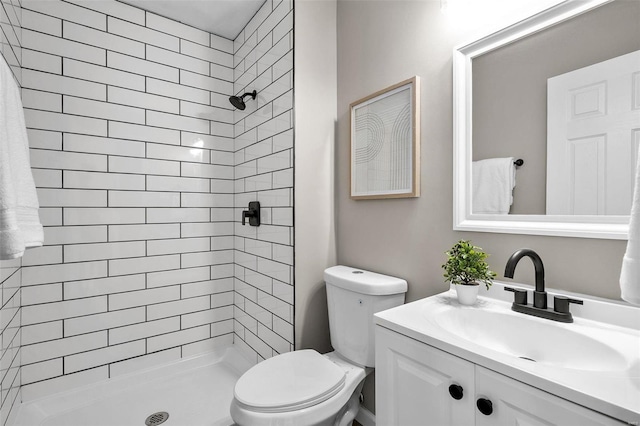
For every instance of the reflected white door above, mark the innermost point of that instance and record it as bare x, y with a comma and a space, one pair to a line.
593, 134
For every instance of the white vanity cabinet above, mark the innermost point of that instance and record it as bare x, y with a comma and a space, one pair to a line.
417, 384
515, 403
413, 380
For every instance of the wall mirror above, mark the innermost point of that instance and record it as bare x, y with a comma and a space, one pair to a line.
517, 89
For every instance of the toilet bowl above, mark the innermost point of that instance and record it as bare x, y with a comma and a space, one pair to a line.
306, 388
299, 388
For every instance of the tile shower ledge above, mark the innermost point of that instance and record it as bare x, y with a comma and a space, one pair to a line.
614, 393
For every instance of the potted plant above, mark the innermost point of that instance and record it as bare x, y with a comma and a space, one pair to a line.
466, 268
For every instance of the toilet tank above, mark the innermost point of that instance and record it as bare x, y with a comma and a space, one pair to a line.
353, 296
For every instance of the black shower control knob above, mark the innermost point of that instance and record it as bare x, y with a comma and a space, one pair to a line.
455, 391
485, 406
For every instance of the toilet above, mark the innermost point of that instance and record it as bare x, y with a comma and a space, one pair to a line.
304, 388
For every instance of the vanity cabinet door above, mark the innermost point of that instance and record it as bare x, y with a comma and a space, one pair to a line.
413, 382
513, 403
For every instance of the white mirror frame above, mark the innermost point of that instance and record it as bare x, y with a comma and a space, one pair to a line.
606, 227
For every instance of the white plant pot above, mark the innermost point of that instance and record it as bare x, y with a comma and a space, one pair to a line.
467, 294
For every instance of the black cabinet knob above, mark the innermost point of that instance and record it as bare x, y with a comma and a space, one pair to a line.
485, 406
455, 391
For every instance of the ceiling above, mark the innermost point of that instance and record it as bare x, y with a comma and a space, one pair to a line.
225, 18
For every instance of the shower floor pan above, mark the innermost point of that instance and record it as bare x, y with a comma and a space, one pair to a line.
195, 391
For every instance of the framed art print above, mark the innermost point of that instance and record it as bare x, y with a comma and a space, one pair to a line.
385, 143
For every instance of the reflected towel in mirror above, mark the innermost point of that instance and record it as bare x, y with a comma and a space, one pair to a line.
493, 183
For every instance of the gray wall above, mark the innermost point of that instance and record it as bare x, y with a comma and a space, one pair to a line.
379, 44
316, 94
517, 124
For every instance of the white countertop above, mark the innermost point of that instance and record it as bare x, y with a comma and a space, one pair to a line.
613, 393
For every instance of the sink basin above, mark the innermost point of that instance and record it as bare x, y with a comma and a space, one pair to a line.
594, 361
532, 339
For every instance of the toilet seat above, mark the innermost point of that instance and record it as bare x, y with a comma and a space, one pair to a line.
320, 413
290, 381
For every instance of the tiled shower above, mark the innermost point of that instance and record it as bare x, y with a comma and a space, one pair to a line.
143, 169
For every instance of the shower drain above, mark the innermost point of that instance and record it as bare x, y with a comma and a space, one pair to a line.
157, 418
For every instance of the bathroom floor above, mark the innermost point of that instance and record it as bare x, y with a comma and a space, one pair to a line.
195, 392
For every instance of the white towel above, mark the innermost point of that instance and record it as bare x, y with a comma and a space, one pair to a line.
493, 183
630, 273
20, 225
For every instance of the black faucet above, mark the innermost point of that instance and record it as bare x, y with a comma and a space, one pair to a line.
539, 308
539, 295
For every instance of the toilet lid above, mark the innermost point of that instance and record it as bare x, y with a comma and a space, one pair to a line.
289, 381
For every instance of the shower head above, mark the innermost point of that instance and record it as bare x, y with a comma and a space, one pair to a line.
238, 101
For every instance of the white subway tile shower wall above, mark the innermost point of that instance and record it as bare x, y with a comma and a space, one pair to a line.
263, 273
11, 270
132, 151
